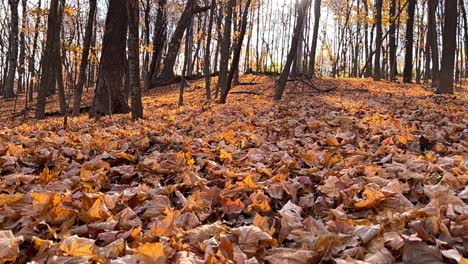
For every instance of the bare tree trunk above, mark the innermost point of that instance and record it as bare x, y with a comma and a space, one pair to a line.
313, 49
58, 60
134, 58
225, 47
408, 70
237, 52
292, 52
167, 75
22, 52
32, 58
207, 57
84, 58
465, 35
393, 42
8, 90
110, 96
47, 76
448, 49
378, 42
159, 40
432, 39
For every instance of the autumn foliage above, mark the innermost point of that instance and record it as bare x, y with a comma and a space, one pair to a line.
367, 173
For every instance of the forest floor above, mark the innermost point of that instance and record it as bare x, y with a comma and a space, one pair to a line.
367, 173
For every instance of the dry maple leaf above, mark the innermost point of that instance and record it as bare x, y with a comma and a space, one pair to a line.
372, 196
77, 246
9, 246
154, 251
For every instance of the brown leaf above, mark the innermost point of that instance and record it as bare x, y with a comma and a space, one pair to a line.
417, 252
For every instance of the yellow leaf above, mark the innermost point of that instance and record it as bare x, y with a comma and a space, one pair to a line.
46, 175
372, 194
249, 182
6, 199
155, 251
167, 225
225, 156
77, 246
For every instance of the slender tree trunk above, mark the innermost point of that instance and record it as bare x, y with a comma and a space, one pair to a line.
207, 57
292, 52
465, 35
432, 39
159, 41
110, 95
32, 58
191, 8
237, 52
146, 33
225, 47
378, 42
47, 76
58, 60
313, 49
408, 70
393, 42
448, 48
22, 52
84, 58
134, 58
8, 91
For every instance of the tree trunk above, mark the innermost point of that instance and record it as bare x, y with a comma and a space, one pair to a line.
313, 49
408, 70
8, 90
225, 47
47, 75
58, 60
465, 35
207, 58
292, 52
134, 59
159, 40
22, 52
448, 48
393, 42
432, 38
167, 74
84, 58
32, 58
378, 41
110, 96
237, 52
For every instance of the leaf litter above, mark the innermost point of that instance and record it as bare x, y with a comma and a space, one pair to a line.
369, 173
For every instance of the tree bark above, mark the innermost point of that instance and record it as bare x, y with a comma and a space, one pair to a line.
159, 40
408, 70
110, 96
167, 74
292, 52
378, 42
432, 39
237, 52
207, 58
84, 58
313, 49
393, 42
134, 59
448, 48
465, 35
47, 76
8, 90
225, 47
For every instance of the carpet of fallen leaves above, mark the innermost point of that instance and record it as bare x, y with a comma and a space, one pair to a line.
369, 173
